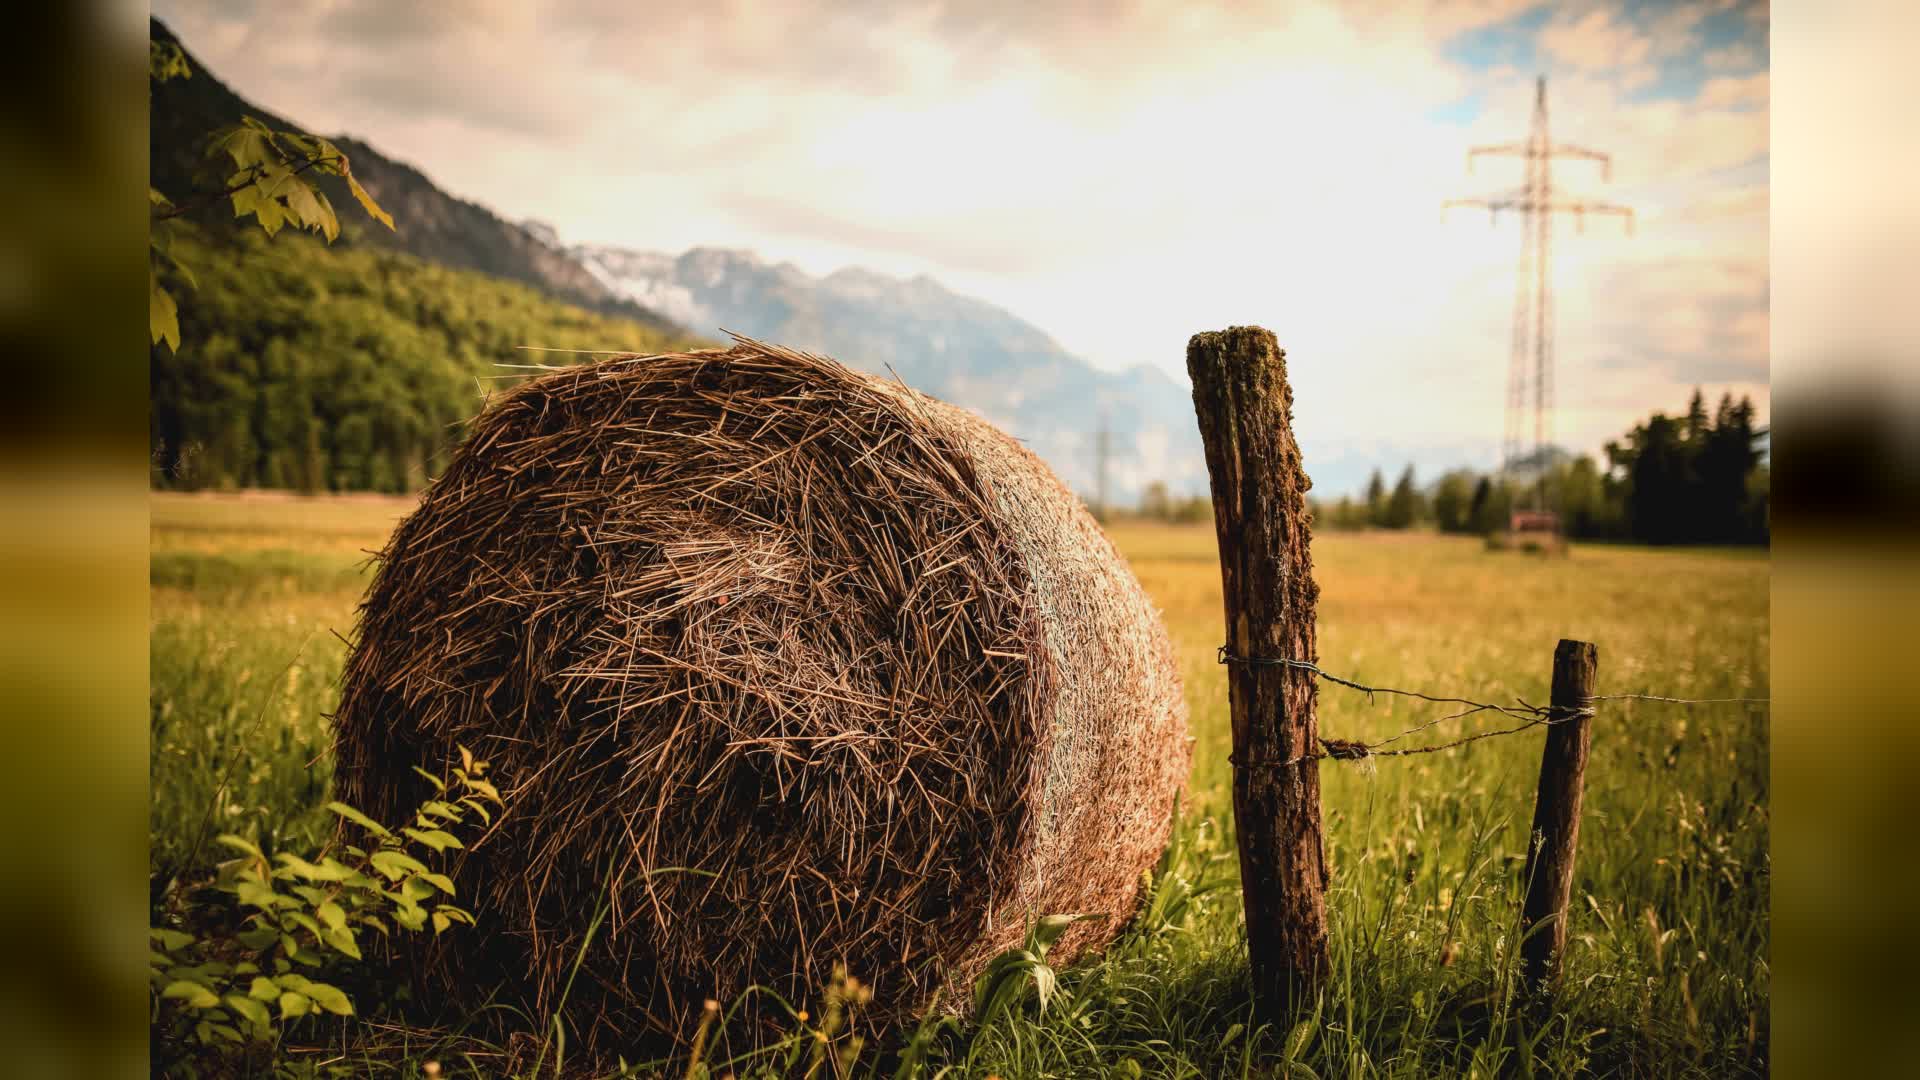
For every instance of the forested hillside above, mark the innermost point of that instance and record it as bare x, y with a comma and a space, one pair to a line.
341, 368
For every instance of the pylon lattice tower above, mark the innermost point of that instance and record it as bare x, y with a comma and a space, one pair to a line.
1530, 362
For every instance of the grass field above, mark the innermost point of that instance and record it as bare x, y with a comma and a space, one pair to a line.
1667, 966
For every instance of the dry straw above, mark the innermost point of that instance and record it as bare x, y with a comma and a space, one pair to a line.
785, 664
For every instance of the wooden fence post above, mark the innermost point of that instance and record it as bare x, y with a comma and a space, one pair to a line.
1245, 408
1556, 814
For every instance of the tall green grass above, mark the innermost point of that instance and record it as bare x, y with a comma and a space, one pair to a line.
1666, 971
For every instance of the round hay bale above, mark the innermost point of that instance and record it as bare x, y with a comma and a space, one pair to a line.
786, 665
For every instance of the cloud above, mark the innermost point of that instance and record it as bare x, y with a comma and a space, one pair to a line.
1695, 319
1739, 56
385, 23
1740, 205
1676, 28
459, 94
1596, 40
1734, 91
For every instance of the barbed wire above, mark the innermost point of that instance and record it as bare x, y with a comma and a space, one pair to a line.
1684, 700
1532, 715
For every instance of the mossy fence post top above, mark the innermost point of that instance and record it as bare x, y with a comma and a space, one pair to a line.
1244, 407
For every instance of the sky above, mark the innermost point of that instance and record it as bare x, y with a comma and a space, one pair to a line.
1122, 175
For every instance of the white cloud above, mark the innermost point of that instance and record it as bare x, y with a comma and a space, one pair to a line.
1596, 40
1729, 91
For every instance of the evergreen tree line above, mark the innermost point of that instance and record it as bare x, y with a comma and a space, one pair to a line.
1689, 479
1158, 504
319, 368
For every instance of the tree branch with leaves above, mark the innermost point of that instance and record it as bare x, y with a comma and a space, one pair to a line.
268, 173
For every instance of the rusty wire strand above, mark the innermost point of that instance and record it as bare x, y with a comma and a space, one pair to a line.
1532, 715
1683, 701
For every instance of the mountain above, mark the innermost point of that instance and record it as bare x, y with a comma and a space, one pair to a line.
960, 349
429, 223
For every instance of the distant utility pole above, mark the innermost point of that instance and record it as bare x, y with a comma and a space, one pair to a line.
1530, 364
1101, 449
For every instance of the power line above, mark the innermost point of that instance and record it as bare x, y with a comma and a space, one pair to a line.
1102, 448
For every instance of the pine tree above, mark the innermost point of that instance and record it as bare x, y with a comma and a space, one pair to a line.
1403, 507
1453, 501
1697, 427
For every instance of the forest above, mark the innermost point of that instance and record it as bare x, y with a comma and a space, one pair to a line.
341, 368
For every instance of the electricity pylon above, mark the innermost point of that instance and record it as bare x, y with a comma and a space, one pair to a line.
1530, 364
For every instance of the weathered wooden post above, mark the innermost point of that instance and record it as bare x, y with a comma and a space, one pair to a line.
1556, 814
1260, 511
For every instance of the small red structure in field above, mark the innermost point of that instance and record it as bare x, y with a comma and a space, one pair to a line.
1531, 530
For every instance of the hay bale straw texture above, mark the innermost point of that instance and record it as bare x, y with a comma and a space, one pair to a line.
787, 665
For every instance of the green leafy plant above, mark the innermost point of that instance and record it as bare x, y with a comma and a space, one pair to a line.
305, 918
166, 60
1004, 984
263, 172
1190, 869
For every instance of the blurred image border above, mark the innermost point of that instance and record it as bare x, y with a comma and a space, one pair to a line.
1845, 336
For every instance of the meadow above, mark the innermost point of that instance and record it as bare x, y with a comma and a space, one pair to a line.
1666, 971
